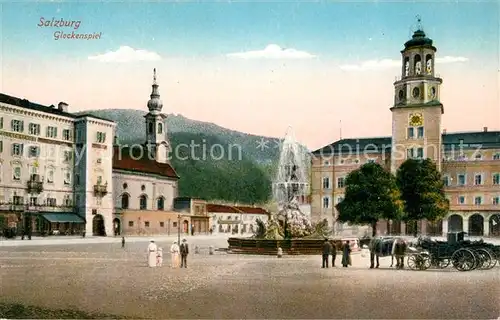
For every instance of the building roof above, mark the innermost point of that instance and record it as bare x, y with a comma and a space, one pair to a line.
23, 103
483, 139
124, 159
220, 208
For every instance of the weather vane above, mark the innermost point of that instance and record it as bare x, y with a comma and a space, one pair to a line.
419, 22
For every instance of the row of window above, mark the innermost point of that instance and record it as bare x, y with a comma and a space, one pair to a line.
147, 224
340, 182
479, 179
419, 153
17, 174
415, 133
34, 201
478, 200
18, 150
474, 157
347, 161
143, 202
35, 129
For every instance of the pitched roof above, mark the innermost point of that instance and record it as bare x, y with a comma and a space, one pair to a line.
23, 103
123, 159
485, 139
220, 208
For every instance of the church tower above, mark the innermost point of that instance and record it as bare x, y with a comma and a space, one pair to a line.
416, 114
156, 132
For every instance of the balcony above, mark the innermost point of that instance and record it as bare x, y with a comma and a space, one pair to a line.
35, 184
100, 190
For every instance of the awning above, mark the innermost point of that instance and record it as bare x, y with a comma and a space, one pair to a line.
63, 217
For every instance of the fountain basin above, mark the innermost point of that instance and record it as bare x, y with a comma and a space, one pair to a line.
270, 247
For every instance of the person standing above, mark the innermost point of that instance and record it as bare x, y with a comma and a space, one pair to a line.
374, 247
346, 254
152, 252
327, 250
159, 257
184, 253
334, 253
123, 242
174, 252
400, 251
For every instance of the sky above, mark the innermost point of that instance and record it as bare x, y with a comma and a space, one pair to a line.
325, 68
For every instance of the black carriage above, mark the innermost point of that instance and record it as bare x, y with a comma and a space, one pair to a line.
463, 255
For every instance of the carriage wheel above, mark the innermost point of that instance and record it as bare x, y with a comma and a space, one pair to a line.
411, 263
419, 262
488, 259
463, 260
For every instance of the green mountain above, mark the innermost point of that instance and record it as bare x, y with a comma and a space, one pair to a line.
131, 129
236, 171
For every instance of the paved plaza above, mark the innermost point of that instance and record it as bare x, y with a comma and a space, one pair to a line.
103, 280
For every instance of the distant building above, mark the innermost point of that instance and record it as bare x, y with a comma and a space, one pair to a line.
469, 162
235, 219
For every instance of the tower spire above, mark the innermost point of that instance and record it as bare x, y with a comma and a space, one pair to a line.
155, 104
419, 23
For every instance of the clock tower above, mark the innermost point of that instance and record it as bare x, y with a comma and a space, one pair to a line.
157, 143
416, 113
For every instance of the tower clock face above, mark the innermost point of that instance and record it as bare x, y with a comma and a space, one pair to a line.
432, 92
429, 66
416, 120
416, 92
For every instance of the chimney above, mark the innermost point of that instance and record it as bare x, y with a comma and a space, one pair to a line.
485, 129
62, 106
444, 131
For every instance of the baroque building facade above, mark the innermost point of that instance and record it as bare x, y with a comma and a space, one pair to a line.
468, 161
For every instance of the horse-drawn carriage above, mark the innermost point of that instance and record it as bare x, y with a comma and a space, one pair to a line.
463, 255
416, 259
425, 253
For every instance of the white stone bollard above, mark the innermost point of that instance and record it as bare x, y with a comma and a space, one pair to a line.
211, 250
280, 252
365, 251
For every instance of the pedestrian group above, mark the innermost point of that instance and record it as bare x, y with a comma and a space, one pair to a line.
329, 249
178, 254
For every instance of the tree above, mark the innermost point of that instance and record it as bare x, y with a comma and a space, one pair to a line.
422, 191
371, 195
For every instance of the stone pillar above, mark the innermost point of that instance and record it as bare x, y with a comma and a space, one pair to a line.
423, 227
403, 228
445, 226
486, 228
465, 224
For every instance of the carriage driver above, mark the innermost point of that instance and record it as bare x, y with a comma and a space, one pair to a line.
373, 247
399, 252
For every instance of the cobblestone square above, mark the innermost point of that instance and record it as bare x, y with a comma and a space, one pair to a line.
104, 280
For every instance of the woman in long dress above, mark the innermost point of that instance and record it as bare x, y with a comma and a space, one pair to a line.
346, 254
174, 251
152, 252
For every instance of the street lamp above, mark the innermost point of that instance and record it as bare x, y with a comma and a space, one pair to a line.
179, 228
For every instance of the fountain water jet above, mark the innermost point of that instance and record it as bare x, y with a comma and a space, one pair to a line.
291, 187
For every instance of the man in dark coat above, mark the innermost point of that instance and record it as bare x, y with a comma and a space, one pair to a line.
327, 250
334, 253
374, 246
184, 253
399, 252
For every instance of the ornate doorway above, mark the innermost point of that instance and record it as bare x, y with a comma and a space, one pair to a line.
98, 226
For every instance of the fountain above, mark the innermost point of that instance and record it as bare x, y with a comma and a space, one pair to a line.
289, 229
290, 187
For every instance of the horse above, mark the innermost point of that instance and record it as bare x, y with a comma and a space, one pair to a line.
384, 247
